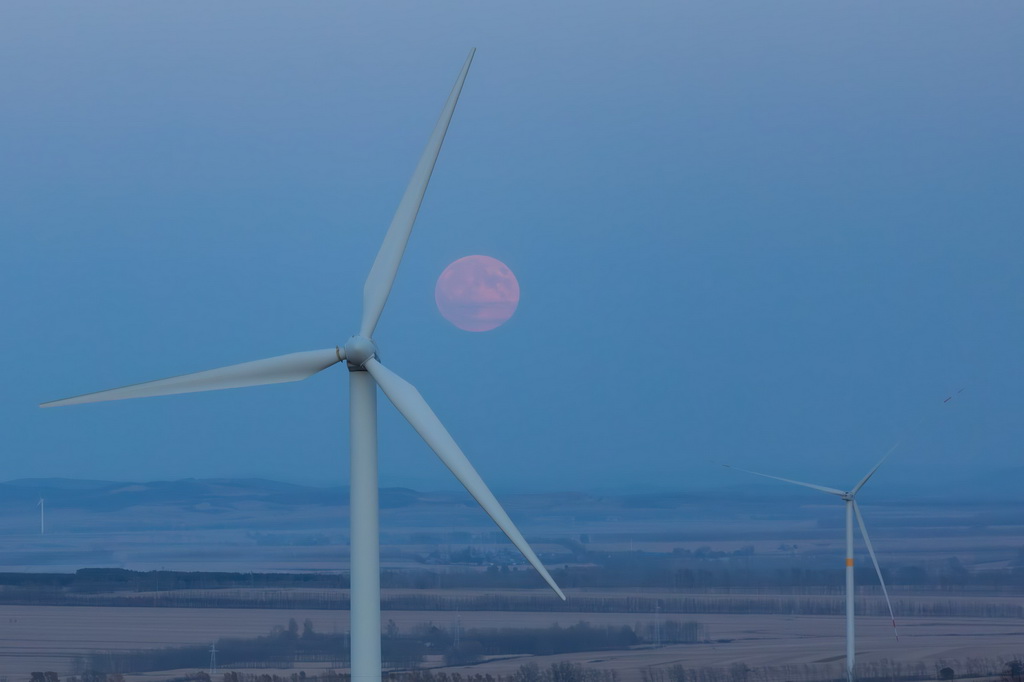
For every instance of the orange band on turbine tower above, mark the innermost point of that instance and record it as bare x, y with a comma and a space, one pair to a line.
849, 562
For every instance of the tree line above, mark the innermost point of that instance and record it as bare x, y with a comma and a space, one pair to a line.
289, 646
682, 569
1004, 669
882, 670
703, 568
811, 601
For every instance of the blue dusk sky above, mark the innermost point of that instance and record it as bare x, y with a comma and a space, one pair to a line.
773, 234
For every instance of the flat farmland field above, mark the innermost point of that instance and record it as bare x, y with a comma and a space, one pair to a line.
41, 638
780, 641
763, 578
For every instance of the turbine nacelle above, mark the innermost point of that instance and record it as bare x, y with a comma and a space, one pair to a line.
358, 351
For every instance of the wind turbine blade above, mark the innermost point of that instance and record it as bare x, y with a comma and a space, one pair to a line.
874, 560
385, 266
276, 370
830, 491
872, 472
414, 408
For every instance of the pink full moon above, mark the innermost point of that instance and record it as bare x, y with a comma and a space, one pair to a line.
477, 293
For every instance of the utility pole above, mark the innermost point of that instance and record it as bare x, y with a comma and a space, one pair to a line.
213, 659
657, 626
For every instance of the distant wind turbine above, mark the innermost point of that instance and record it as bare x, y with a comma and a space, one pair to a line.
852, 510
366, 373
42, 516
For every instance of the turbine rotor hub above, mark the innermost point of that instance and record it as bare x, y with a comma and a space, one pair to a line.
359, 350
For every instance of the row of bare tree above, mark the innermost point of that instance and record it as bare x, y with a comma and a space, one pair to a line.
884, 670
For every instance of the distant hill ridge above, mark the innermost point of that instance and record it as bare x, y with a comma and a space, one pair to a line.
97, 495
112, 495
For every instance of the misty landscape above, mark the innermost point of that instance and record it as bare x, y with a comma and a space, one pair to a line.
703, 586
703, 362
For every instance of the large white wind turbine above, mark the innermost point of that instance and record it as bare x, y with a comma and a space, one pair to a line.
852, 510
366, 373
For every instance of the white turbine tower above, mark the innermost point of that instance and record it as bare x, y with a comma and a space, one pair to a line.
852, 510
42, 516
366, 373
